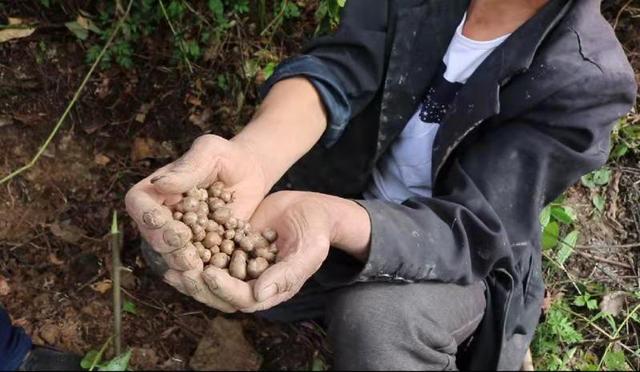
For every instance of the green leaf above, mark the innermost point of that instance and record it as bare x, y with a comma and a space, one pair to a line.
564, 214
579, 301
592, 304
268, 69
317, 364
598, 202
341, 3
217, 8
46, 3
615, 361
92, 357
602, 176
550, 235
566, 248
129, 307
119, 363
619, 151
80, 32
545, 216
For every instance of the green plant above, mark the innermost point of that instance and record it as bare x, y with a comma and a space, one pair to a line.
625, 137
554, 338
552, 218
94, 359
596, 181
328, 14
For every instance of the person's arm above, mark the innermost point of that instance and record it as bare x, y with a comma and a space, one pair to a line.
460, 234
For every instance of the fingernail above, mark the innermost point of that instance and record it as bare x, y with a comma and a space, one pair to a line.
267, 292
156, 179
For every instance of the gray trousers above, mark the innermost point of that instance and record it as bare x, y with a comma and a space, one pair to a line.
384, 326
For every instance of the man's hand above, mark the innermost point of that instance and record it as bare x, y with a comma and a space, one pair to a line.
210, 158
307, 225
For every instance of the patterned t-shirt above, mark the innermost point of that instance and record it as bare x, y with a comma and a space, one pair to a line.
405, 170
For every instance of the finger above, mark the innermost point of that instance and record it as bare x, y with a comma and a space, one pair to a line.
231, 290
194, 168
286, 276
183, 259
196, 287
268, 304
155, 221
174, 279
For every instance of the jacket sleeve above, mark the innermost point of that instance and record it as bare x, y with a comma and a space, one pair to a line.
492, 191
346, 68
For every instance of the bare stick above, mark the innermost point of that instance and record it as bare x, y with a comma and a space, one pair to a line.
605, 260
46, 143
117, 297
613, 246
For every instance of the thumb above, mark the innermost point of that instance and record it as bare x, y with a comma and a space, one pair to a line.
194, 168
286, 276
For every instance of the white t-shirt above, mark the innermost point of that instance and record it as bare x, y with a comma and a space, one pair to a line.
405, 170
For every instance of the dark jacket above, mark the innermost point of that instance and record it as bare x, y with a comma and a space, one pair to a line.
533, 118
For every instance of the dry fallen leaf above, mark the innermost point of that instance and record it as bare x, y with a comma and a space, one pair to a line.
148, 148
4, 286
55, 260
612, 303
101, 159
202, 119
17, 32
102, 287
67, 232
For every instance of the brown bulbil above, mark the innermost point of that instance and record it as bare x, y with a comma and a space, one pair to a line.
270, 234
266, 254
246, 243
206, 256
198, 233
238, 265
203, 209
232, 223
202, 220
256, 266
222, 215
190, 204
219, 239
215, 203
211, 239
220, 260
225, 196
211, 225
227, 246
229, 234
190, 218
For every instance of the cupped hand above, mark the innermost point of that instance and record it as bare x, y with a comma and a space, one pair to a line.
211, 158
304, 233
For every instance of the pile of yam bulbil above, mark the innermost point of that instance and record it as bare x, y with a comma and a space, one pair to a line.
221, 239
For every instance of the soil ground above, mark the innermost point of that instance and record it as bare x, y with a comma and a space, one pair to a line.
55, 263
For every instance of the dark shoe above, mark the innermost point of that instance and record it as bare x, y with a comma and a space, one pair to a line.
42, 358
153, 259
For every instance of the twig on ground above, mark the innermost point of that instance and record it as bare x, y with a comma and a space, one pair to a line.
615, 23
75, 98
604, 260
612, 246
116, 266
175, 35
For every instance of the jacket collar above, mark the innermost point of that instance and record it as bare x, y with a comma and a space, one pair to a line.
420, 39
479, 99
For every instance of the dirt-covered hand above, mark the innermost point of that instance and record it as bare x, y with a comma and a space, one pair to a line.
304, 227
210, 158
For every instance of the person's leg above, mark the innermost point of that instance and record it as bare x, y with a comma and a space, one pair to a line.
14, 343
384, 326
